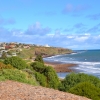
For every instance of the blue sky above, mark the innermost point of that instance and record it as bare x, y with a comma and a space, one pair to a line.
73, 24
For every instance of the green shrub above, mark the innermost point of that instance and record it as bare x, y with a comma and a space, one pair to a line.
3, 66
41, 79
52, 78
17, 75
72, 79
39, 58
38, 67
86, 89
16, 62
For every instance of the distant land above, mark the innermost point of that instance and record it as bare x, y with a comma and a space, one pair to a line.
29, 51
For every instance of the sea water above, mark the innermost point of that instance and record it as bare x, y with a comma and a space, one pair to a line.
88, 61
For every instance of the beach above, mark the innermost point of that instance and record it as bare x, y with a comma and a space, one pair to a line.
59, 67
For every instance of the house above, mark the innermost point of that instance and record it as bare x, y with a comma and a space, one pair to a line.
47, 45
2, 48
12, 45
7, 47
26, 46
14, 54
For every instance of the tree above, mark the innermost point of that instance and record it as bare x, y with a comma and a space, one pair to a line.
16, 62
39, 58
47, 72
38, 67
52, 78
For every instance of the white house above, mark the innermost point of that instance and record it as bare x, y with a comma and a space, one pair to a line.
47, 45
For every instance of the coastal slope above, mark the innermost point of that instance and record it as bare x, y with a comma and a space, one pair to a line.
11, 90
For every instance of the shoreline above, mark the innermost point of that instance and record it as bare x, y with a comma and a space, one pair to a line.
59, 67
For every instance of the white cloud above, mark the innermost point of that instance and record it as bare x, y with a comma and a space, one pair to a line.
72, 41
37, 29
81, 39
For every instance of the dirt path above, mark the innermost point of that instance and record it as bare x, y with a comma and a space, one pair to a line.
10, 90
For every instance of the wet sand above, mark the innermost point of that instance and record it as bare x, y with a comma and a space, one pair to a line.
59, 67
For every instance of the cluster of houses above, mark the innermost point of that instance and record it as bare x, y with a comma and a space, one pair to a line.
15, 46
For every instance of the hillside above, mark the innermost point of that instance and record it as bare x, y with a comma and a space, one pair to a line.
44, 51
10, 90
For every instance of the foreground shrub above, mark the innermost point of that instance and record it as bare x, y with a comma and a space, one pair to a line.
41, 79
17, 75
72, 79
52, 78
38, 67
16, 62
86, 89
46, 75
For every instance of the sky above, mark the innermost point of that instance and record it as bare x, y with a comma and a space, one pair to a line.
73, 24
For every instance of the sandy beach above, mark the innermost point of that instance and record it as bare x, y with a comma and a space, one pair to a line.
61, 67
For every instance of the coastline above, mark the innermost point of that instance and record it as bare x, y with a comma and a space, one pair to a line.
59, 67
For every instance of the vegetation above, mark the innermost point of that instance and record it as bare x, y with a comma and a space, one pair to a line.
16, 62
86, 89
3, 66
73, 79
52, 78
41, 79
14, 68
38, 67
46, 74
17, 75
39, 58
39, 50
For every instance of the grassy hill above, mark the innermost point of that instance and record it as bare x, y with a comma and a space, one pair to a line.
44, 51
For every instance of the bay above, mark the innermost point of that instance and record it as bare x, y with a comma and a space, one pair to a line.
88, 61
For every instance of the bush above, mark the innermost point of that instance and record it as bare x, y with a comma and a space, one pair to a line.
86, 89
3, 66
16, 62
52, 78
41, 79
38, 67
39, 58
72, 79
17, 75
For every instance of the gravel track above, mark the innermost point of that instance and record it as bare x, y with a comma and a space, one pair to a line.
11, 90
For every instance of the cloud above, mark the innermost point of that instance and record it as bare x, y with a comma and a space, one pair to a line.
79, 25
57, 39
7, 21
81, 38
68, 30
36, 29
95, 29
70, 8
94, 16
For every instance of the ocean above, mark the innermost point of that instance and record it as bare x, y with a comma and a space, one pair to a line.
88, 61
